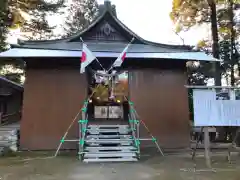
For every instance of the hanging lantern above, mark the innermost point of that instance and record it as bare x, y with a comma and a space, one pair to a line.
118, 101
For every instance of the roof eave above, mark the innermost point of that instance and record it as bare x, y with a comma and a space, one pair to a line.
12, 84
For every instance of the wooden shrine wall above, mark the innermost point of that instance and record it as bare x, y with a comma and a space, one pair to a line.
161, 100
52, 99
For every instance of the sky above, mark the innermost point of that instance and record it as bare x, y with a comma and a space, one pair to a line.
149, 19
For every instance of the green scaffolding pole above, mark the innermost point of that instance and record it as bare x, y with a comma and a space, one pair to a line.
82, 132
83, 110
63, 139
137, 122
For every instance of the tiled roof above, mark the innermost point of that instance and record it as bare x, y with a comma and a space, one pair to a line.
103, 47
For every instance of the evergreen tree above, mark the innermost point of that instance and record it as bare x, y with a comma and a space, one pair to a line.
187, 13
218, 13
30, 16
81, 14
3, 24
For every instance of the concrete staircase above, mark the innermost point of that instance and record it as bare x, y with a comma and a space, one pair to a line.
109, 143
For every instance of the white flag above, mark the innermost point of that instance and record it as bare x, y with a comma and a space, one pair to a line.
87, 58
122, 56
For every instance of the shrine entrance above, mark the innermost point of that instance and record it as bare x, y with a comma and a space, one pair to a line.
108, 96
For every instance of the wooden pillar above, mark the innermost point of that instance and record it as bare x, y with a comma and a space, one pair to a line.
207, 147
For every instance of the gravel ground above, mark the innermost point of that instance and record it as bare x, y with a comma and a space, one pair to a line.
155, 167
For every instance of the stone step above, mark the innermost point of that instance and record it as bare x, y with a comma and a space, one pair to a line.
110, 149
125, 159
98, 131
117, 136
109, 154
108, 126
109, 141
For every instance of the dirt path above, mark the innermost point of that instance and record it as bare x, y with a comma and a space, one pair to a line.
155, 168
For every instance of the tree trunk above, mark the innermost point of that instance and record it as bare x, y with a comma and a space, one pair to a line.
215, 45
232, 60
238, 69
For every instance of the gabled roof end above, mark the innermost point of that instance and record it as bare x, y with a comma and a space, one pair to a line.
107, 7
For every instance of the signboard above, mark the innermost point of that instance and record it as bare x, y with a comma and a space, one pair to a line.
115, 112
108, 112
100, 111
215, 108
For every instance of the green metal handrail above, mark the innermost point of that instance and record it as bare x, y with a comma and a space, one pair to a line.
136, 121
82, 129
134, 124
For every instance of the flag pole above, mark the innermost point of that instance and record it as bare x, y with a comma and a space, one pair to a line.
95, 56
125, 47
